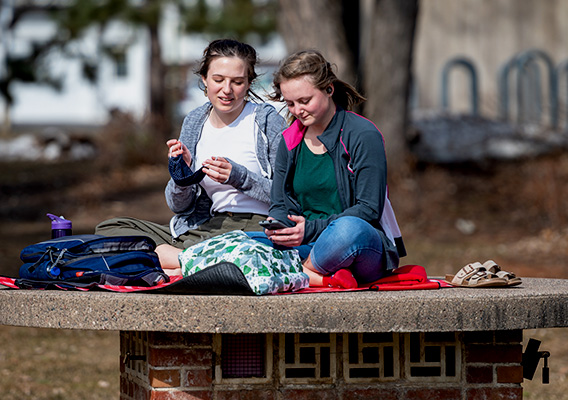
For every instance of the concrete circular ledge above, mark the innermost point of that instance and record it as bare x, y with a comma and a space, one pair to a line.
537, 303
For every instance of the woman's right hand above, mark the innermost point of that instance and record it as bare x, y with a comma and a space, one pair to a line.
176, 148
289, 237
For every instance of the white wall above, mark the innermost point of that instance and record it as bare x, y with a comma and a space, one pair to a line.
489, 32
79, 101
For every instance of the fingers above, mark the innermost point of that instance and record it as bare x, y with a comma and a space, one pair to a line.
218, 169
175, 147
289, 237
219, 162
215, 173
298, 219
285, 240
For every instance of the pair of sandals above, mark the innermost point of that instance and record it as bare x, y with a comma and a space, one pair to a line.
488, 274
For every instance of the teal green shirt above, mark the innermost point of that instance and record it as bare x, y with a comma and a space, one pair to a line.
315, 185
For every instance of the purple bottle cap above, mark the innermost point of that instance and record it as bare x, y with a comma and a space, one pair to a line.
59, 222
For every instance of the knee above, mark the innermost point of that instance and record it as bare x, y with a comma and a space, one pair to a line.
352, 229
169, 257
350, 222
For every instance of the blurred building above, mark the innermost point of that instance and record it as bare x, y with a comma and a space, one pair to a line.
122, 71
487, 33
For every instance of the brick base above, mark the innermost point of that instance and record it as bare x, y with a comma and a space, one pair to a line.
464, 366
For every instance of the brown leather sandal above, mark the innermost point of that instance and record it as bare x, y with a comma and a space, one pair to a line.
475, 275
492, 267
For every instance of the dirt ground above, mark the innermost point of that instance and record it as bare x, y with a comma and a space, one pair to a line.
514, 213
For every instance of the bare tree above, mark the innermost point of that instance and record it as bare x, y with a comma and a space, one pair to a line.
371, 43
386, 67
318, 24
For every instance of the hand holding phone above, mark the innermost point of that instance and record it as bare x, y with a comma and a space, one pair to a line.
272, 224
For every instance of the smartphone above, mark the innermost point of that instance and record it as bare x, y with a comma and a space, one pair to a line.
272, 225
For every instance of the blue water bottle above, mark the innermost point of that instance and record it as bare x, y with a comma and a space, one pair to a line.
60, 226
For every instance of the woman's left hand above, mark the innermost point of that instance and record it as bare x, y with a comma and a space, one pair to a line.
218, 169
289, 237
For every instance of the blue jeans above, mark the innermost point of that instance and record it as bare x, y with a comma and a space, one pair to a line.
347, 242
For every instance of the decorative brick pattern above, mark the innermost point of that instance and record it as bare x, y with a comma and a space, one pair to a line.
133, 352
307, 357
432, 357
134, 369
369, 357
365, 366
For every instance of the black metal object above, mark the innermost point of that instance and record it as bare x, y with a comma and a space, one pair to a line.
133, 357
474, 91
531, 358
527, 68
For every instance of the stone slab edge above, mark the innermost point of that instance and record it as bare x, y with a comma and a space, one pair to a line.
538, 303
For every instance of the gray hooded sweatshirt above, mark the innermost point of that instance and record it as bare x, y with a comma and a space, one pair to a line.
191, 205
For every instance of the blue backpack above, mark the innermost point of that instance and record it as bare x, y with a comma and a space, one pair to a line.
87, 259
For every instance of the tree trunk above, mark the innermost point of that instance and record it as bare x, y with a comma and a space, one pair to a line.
319, 24
386, 66
371, 43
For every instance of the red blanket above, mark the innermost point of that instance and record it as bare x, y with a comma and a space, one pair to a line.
408, 277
